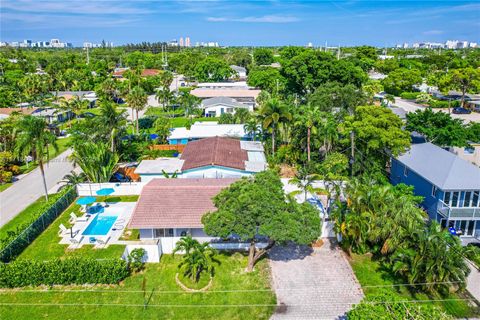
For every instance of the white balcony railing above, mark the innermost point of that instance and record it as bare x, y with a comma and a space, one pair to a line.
457, 212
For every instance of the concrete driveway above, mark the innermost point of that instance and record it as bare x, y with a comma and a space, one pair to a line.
30, 187
313, 283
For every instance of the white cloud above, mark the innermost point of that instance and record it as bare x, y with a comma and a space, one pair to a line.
72, 7
432, 32
261, 19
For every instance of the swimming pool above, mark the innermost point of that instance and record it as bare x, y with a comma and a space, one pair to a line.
100, 225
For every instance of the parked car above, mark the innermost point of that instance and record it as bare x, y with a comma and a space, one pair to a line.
477, 109
460, 110
118, 177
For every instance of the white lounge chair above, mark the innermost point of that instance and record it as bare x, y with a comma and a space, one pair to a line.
74, 218
64, 231
76, 242
103, 242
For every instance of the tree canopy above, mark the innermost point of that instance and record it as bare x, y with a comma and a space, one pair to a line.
255, 207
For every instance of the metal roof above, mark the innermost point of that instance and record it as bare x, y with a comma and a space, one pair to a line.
442, 168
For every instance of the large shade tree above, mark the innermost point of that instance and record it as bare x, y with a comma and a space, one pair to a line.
256, 207
33, 138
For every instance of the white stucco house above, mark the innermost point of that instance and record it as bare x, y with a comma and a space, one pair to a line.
207, 129
214, 107
215, 157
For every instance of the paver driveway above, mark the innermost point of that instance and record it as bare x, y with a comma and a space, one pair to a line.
313, 284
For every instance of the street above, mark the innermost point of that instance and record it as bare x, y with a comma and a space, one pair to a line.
410, 106
30, 187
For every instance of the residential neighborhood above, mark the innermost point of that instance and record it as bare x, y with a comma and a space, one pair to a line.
226, 163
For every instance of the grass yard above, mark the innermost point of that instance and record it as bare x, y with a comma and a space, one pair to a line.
164, 298
5, 186
371, 276
62, 143
26, 215
46, 246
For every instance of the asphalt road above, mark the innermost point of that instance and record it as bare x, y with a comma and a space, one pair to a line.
410, 106
30, 187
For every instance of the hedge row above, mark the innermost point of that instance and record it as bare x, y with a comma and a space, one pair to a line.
17, 240
409, 95
22, 273
443, 104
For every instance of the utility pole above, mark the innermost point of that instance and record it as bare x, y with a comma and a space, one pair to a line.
88, 57
352, 151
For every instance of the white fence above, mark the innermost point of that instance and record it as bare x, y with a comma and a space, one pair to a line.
121, 189
168, 244
152, 252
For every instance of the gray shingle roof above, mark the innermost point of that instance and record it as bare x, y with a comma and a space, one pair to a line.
224, 101
442, 168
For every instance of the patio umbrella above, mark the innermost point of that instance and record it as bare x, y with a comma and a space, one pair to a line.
85, 201
105, 192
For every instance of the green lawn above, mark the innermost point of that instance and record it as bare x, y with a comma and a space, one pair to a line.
25, 215
62, 144
165, 299
5, 186
374, 280
46, 246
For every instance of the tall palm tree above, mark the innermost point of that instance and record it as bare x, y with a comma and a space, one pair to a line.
272, 113
96, 160
113, 121
33, 137
308, 118
328, 130
137, 100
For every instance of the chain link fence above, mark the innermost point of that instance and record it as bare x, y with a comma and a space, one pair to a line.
23, 240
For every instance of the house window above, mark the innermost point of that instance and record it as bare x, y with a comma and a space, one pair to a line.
466, 200
160, 233
476, 196
405, 171
446, 198
455, 195
229, 110
434, 191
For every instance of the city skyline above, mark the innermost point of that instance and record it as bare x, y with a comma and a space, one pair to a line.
248, 23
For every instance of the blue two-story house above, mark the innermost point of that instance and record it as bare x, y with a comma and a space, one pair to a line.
449, 185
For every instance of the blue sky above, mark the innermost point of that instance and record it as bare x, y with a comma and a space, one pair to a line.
237, 22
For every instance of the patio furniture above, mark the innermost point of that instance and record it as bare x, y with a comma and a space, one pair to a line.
84, 202
74, 218
64, 230
76, 241
92, 240
105, 192
103, 242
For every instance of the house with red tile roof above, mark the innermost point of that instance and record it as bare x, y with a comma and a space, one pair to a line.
168, 209
214, 157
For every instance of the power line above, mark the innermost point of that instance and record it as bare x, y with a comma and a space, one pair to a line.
222, 291
221, 305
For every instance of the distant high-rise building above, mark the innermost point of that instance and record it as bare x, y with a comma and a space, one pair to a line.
473, 45
187, 41
180, 42
405, 45
309, 45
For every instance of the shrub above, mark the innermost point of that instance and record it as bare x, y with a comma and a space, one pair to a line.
443, 104
5, 176
15, 169
135, 259
78, 271
409, 95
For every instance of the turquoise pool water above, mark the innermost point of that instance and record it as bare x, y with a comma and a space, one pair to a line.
100, 225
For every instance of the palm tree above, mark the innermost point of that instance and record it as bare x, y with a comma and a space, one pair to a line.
242, 115
274, 112
112, 120
137, 99
200, 258
96, 160
185, 244
308, 118
251, 127
33, 137
167, 176
73, 179
328, 130
303, 180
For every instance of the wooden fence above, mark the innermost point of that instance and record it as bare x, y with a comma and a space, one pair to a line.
177, 147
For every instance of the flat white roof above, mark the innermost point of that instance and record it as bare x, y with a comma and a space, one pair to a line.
208, 129
169, 165
231, 85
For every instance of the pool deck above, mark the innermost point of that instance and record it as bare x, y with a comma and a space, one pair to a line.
124, 210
